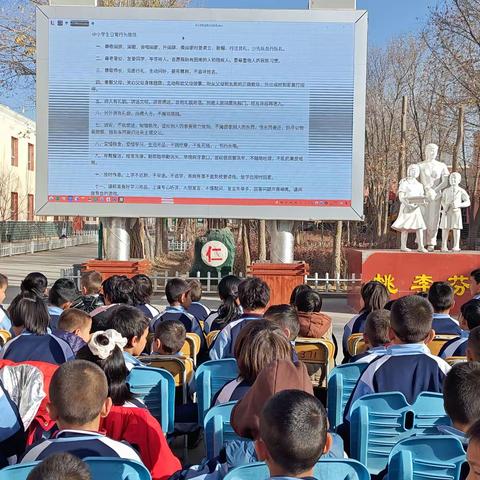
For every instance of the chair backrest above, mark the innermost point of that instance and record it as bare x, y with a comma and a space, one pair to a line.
325, 469
341, 382
318, 352
17, 472
356, 344
379, 421
454, 360
211, 337
438, 342
218, 429
156, 387
426, 457
5, 335
191, 347
210, 377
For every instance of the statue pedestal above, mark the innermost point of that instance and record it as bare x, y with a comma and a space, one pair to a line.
109, 268
405, 273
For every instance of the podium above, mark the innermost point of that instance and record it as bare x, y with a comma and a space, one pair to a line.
108, 268
282, 278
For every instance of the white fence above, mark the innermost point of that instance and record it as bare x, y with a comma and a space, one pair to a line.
22, 248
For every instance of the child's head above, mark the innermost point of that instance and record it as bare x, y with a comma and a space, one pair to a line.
411, 320
78, 396
475, 282
131, 323
169, 337
254, 295
293, 434
36, 283
195, 290
63, 293
298, 289
374, 296
473, 451
441, 297
61, 466
3, 287
228, 287
259, 344
308, 301
90, 282
77, 322
29, 312
460, 394
473, 345
177, 292
142, 289
105, 350
286, 318
470, 317
377, 326
118, 289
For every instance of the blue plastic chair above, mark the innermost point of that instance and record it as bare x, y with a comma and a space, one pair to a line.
379, 421
426, 457
100, 468
325, 469
218, 430
210, 377
341, 382
156, 387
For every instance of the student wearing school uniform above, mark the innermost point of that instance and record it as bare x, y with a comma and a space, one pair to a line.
196, 308
74, 327
254, 296
90, 286
34, 342
475, 284
5, 323
169, 338
441, 296
142, 296
60, 297
470, 319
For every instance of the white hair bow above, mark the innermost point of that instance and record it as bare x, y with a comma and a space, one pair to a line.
104, 351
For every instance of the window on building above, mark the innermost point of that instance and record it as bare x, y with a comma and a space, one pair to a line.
14, 147
14, 206
31, 157
30, 207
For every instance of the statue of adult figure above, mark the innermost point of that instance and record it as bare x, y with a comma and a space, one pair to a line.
434, 178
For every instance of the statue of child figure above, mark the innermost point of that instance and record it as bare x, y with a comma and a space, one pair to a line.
454, 198
410, 219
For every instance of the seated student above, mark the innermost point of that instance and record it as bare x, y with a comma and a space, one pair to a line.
473, 345
473, 451
475, 284
117, 289
254, 296
229, 309
30, 319
60, 297
5, 323
374, 297
74, 327
470, 318
36, 283
196, 308
284, 317
410, 331
442, 298
61, 466
78, 400
169, 338
131, 324
258, 344
90, 285
142, 296
377, 327
313, 323
105, 350
177, 291
303, 287
293, 435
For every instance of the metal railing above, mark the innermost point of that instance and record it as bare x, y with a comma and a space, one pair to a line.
32, 246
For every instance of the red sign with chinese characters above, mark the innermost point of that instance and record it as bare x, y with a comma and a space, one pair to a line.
407, 273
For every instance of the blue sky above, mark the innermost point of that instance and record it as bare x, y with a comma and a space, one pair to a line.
387, 19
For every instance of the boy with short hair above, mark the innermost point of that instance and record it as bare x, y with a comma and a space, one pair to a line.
375, 336
131, 323
442, 298
169, 338
293, 435
196, 308
74, 327
90, 285
473, 345
254, 295
286, 318
78, 400
60, 297
475, 283
60, 466
470, 318
5, 323
410, 331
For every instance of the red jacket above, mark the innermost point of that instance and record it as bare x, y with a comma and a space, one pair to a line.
141, 430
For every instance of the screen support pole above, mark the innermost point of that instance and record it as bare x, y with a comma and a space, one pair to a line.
116, 238
282, 240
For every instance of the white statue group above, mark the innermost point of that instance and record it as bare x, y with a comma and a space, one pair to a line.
434, 201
